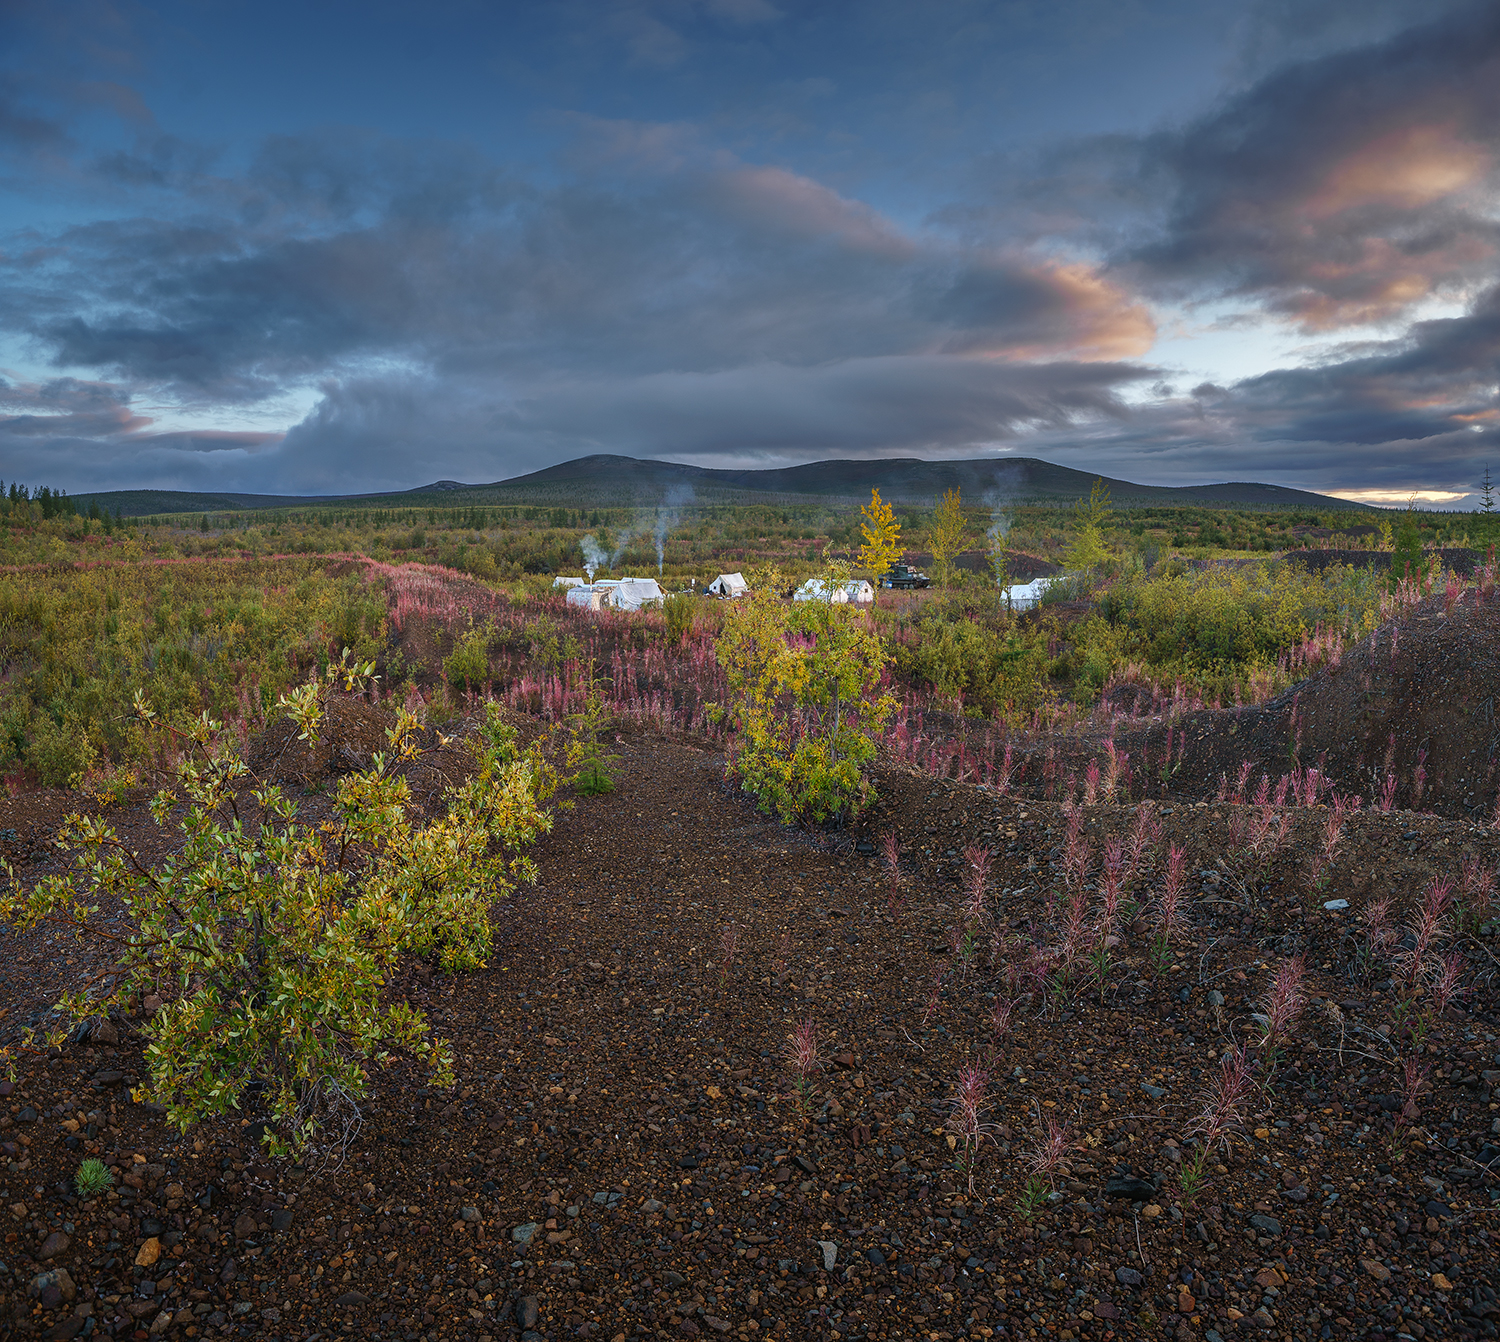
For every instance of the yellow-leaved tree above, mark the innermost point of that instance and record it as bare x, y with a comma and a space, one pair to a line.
1091, 516
946, 534
882, 534
806, 706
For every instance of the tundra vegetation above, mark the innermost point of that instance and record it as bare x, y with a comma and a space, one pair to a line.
1061, 967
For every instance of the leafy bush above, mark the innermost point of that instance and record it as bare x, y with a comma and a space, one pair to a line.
805, 680
467, 667
592, 775
678, 610
1212, 628
272, 939
62, 753
1000, 670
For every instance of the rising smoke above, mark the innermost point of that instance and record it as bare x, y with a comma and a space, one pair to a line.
998, 499
594, 556
668, 515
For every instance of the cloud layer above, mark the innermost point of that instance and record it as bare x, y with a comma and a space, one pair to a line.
434, 309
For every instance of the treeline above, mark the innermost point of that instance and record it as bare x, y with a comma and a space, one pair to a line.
22, 503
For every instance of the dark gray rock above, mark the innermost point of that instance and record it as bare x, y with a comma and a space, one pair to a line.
1127, 1186
1266, 1225
527, 1311
1128, 1276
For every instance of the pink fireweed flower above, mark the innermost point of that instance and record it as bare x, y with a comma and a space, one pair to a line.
801, 1051
1284, 1001
1047, 1156
1221, 1114
975, 880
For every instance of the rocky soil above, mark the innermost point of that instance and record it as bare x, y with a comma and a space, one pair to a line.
626, 1154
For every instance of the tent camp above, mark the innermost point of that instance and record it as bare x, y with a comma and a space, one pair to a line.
633, 593
568, 582
729, 584
815, 589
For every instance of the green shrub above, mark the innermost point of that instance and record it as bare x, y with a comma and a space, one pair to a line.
679, 609
467, 667
806, 702
61, 753
278, 936
1001, 670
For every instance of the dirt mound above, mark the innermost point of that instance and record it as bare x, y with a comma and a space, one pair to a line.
355, 729
1415, 701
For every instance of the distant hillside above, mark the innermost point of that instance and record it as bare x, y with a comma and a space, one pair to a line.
905, 478
601, 479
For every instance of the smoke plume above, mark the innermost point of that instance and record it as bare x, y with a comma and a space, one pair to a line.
667, 517
594, 556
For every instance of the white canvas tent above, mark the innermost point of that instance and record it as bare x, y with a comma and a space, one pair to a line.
587, 595
633, 593
857, 590
729, 584
1027, 595
569, 582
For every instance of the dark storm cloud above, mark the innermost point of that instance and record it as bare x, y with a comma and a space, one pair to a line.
1343, 189
439, 303
1340, 189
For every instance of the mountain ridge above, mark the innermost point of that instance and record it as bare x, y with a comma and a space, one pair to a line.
607, 479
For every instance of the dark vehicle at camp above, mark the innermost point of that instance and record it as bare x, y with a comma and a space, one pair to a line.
901, 576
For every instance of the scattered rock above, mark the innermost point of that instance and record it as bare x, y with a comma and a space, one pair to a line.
830, 1253
229, 1271
527, 1311
352, 1300
58, 1280
1376, 1269
54, 1244
1155, 1092
244, 1225
1127, 1186
1128, 1276
148, 1253
1262, 1319
1441, 1282
523, 1234
1265, 1225
469, 1214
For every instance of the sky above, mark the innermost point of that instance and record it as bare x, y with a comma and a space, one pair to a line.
347, 247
